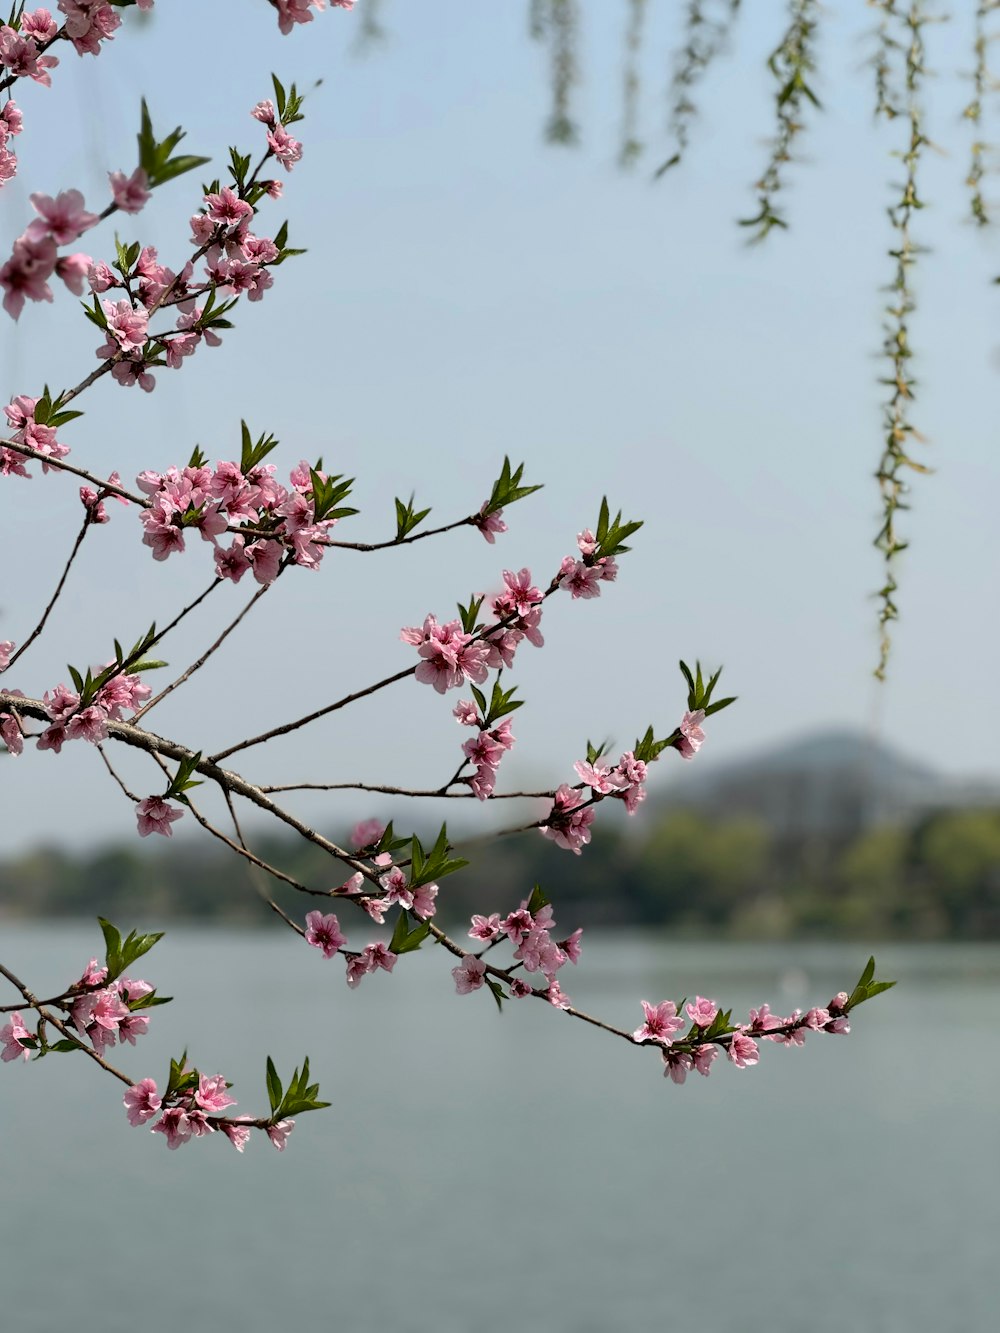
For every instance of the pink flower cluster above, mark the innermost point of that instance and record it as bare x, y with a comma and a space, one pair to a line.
19, 47
583, 578
211, 501
421, 901
20, 413
486, 749
568, 822
103, 1016
625, 781
123, 693
371, 958
662, 1023
35, 257
297, 11
450, 656
235, 259
11, 123
287, 150
187, 1115
535, 950
93, 501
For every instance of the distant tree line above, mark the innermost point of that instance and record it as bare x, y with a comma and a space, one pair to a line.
695, 874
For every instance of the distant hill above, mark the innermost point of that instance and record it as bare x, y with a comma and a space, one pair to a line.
832, 783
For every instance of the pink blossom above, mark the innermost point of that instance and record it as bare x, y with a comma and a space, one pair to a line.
64, 218
94, 974
227, 207
692, 736
763, 1021
486, 928
841, 1025
379, 956
127, 325
323, 932
579, 579
661, 1023
556, 997
176, 1125
703, 1057
490, 525
297, 11
520, 988
231, 562
702, 1012
90, 724
238, 1135
19, 54
287, 150
211, 1095
466, 713
12, 1035
99, 1009
264, 112
132, 1026
375, 907
571, 946
742, 1050
567, 825
518, 924
357, 966
12, 118
155, 815
425, 901
39, 24
25, 275
73, 269
396, 891
469, 974
6, 649
676, 1065
130, 193
278, 1134
10, 733
101, 277
141, 1102
599, 777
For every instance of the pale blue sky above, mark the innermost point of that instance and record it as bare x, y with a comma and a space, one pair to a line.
470, 292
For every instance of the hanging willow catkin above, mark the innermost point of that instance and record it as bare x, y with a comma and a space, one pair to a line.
902, 35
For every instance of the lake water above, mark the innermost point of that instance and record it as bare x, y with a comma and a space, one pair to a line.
517, 1172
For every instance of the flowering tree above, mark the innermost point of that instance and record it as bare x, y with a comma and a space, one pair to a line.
151, 317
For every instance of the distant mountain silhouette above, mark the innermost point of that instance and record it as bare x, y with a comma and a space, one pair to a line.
831, 783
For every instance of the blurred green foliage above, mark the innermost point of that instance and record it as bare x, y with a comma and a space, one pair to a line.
697, 874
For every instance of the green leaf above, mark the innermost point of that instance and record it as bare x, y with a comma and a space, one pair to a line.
537, 901
497, 991
67, 1044
273, 1085
113, 947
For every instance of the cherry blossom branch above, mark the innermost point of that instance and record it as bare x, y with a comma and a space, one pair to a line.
286, 727
386, 790
48, 1017
87, 523
283, 730
200, 662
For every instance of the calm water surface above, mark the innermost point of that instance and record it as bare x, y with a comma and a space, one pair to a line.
521, 1172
